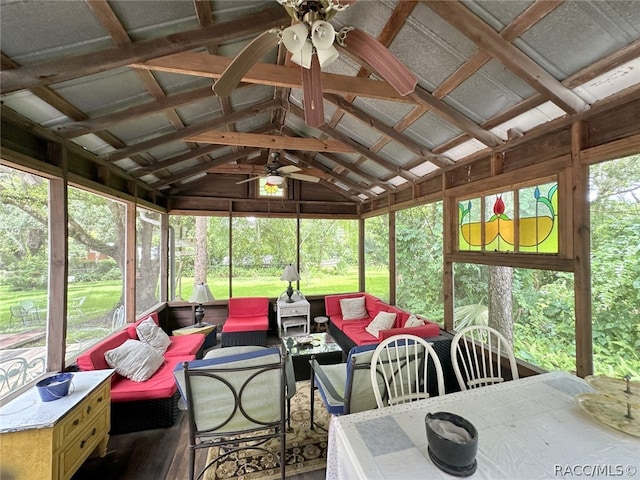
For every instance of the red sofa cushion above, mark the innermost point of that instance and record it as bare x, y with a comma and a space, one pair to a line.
359, 335
341, 324
246, 324
184, 345
160, 385
93, 359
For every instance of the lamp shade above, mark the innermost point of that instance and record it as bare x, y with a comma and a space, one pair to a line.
201, 294
322, 34
290, 274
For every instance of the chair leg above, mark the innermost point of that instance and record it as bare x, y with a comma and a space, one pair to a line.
289, 413
312, 395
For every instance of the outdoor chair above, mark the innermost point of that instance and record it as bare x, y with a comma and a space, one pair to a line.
20, 313
235, 403
289, 372
33, 312
75, 305
477, 353
344, 387
400, 369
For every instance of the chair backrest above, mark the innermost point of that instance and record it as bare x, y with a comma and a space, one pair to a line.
477, 353
234, 394
248, 306
399, 370
359, 395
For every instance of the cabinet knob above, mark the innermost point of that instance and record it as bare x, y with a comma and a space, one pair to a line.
84, 442
76, 422
88, 409
99, 399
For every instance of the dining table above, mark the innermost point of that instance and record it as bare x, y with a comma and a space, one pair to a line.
530, 428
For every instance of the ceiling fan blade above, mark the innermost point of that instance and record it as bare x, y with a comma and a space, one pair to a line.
312, 94
240, 65
303, 177
248, 180
289, 169
381, 60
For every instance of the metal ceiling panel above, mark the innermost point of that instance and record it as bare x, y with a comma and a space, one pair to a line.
142, 129
358, 131
38, 31
396, 154
33, 108
144, 20
225, 11
172, 83
578, 33
500, 90
385, 111
253, 123
105, 92
197, 111
498, 13
431, 131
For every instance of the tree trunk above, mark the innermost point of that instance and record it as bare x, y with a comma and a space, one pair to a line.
500, 301
202, 257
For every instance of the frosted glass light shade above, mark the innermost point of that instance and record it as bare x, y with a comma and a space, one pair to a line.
275, 179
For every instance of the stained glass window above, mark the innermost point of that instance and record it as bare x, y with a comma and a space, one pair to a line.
493, 224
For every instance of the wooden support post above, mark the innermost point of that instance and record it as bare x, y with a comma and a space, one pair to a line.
582, 252
393, 271
130, 263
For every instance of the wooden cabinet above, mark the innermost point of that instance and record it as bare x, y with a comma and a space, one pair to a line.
42, 440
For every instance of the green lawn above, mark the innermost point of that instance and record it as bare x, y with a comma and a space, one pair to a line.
101, 297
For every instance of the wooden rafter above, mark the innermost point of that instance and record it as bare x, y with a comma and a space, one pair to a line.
270, 141
68, 68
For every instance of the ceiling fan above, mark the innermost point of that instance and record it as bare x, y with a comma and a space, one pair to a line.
312, 42
275, 174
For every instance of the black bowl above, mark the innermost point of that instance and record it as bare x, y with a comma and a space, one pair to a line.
453, 453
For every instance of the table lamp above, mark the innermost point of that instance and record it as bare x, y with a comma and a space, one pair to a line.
201, 294
290, 275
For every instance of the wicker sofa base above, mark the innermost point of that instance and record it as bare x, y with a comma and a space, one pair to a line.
127, 417
238, 339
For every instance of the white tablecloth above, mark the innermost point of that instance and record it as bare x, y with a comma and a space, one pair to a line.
527, 429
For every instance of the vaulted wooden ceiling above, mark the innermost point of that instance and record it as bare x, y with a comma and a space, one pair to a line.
130, 83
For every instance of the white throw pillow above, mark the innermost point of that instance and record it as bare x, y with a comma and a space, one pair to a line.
135, 360
413, 321
150, 333
383, 321
353, 308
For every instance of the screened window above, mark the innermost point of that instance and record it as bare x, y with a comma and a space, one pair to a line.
376, 256
328, 256
419, 260
24, 271
96, 269
147, 259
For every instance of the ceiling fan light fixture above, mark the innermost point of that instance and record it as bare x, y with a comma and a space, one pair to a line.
303, 56
275, 180
322, 34
295, 37
327, 56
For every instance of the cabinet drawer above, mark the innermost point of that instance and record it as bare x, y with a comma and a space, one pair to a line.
289, 311
77, 451
83, 414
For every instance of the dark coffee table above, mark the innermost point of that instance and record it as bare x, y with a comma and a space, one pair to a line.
303, 347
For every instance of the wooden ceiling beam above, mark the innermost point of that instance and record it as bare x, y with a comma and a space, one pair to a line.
212, 66
426, 154
192, 130
203, 167
373, 181
69, 68
460, 17
270, 141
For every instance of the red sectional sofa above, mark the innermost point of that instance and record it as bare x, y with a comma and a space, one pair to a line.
143, 405
247, 322
349, 333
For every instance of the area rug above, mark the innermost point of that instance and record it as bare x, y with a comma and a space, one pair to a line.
306, 449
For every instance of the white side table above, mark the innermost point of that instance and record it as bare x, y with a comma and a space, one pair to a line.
296, 314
